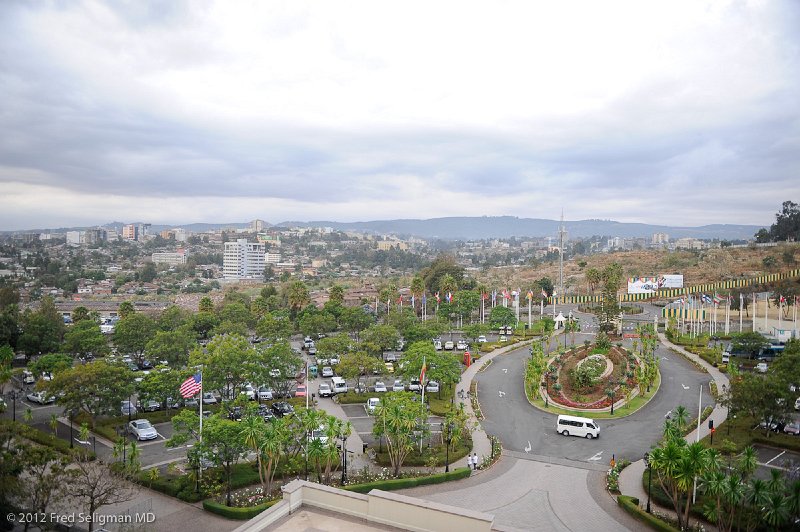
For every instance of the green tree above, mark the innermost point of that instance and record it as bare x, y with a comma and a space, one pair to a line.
148, 272
748, 342
236, 312
502, 317
224, 443
355, 319
85, 337
205, 305
52, 363
296, 294
173, 318
161, 386
173, 346
126, 309
96, 388
43, 330
203, 323
226, 362
442, 367
132, 333
786, 226
79, 314
92, 485
379, 338
336, 294
274, 326
268, 441
358, 364
396, 420
443, 265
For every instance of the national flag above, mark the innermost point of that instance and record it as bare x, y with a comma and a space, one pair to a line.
782, 300
422, 371
484, 296
717, 299
424, 299
544, 293
530, 295
412, 300
449, 297
191, 386
506, 295
494, 295
438, 299
400, 300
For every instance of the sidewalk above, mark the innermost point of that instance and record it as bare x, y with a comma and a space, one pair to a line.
630, 480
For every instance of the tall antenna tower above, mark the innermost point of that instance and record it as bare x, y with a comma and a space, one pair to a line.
562, 236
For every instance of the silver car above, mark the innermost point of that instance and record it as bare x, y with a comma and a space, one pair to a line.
142, 429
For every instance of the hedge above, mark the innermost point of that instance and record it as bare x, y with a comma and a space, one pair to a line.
236, 513
631, 505
48, 440
410, 482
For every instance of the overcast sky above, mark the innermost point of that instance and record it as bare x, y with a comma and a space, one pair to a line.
678, 113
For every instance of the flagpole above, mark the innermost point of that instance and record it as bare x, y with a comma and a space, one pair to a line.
741, 308
755, 311
728, 315
780, 313
201, 406
766, 312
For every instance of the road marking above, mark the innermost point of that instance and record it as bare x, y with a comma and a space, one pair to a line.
501, 393
595, 457
529, 447
664, 358
770, 461
685, 387
505, 370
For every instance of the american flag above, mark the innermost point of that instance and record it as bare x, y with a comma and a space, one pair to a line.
191, 386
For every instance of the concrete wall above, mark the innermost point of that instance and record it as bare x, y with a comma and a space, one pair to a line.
378, 507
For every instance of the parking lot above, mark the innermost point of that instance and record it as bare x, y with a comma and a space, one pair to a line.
362, 422
770, 458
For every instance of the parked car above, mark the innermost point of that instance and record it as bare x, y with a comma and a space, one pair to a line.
502, 338
40, 397
249, 391
482, 339
324, 390
264, 394
797, 404
327, 371
266, 412
142, 429
209, 398
398, 386
307, 341
762, 367
127, 408
300, 391
792, 428
372, 404
282, 408
380, 387
437, 344
275, 373
389, 367
334, 360
191, 402
414, 385
432, 387
449, 345
312, 350
235, 413
47, 376
150, 406
462, 345
27, 377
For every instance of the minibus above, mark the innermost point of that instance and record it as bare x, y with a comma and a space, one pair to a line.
577, 426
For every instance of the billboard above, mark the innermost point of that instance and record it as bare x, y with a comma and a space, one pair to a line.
649, 285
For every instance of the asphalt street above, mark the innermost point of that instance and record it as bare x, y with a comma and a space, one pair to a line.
523, 428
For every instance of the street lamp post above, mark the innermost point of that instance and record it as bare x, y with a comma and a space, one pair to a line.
71, 437
344, 459
448, 439
544, 385
13, 394
649, 479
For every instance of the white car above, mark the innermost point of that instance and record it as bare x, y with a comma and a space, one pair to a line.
762, 367
482, 339
437, 345
40, 397
502, 338
324, 390
27, 377
142, 429
275, 373
327, 371
432, 387
209, 398
249, 391
461, 345
414, 385
448, 345
334, 360
380, 387
398, 386
797, 404
372, 404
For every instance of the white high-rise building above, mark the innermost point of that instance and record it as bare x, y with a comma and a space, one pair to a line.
243, 260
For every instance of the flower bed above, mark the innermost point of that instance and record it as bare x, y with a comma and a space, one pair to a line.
579, 384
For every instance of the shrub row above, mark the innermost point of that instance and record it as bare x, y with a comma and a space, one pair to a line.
43, 438
385, 485
236, 513
410, 482
791, 443
631, 505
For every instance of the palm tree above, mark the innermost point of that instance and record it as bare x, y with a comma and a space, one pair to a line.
692, 465
297, 296
276, 435
681, 418
793, 499
54, 422
756, 495
417, 288
775, 511
666, 463
713, 483
252, 429
775, 483
748, 462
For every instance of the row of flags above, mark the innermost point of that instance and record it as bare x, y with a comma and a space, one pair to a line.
485, 296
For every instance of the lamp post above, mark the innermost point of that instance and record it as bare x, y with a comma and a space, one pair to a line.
448, 439
649, 479
544, 385
13, 394
610, 393
344, 459
71, 437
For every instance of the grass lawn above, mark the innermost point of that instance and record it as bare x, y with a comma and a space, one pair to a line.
636, 403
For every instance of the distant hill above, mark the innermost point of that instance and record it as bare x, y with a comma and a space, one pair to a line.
475, 227
466, 228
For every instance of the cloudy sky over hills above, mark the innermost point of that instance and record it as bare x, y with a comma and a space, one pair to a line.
681, 113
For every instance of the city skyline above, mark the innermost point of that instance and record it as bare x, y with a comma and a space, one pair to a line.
682, 114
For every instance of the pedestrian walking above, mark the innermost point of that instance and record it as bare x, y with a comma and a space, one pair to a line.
475, 461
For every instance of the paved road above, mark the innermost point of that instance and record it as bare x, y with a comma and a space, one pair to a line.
520, 426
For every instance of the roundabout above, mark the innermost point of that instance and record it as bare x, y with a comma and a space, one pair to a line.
527, 428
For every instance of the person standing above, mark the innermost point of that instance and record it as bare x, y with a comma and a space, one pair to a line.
475, 461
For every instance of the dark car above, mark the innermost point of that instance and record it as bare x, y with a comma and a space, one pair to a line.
235, 413
282, 408
265, 412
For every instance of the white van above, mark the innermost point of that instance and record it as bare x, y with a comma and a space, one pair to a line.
577, 426
726, 357
338, 385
